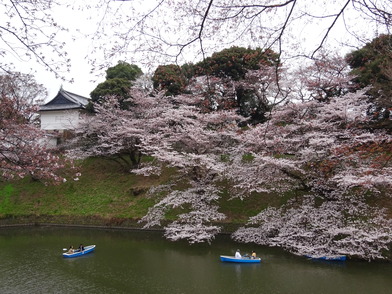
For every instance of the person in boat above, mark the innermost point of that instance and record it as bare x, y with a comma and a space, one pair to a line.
81, 247
253, 254
71, 249
238, 254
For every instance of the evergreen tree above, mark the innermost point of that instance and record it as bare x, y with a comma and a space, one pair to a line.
372, 66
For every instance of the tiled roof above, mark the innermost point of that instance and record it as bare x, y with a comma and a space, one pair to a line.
65, 100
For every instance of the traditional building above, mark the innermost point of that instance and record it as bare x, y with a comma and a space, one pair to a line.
61, 115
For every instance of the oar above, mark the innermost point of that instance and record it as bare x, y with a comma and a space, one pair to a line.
64, 249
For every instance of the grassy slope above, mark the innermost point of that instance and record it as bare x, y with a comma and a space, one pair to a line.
104, 190
105, 194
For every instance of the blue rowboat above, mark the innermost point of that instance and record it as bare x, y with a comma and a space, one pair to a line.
225, 258
328, 257
87, 249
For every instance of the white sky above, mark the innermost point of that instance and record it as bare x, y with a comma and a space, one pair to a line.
79, 50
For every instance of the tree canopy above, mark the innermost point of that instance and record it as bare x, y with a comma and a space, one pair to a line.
372, 66
169, 78
222, 79
124, 70
164, 32
173, 31
119, 79
317, 152
235, 62
22, 150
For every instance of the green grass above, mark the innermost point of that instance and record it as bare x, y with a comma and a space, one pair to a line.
239, 210
105, 191
5, 194
102, 190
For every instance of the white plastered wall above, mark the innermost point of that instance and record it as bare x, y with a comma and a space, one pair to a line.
59, 120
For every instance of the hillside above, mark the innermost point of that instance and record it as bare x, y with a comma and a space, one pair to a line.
103, 195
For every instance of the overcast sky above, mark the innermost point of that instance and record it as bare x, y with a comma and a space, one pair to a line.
79, 49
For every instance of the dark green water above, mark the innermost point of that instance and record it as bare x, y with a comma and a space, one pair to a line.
144, 262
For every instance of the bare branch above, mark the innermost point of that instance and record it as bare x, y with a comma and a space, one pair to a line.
330, 28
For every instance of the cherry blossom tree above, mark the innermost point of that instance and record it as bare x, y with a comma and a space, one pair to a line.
177, 133
329, 137
24, 91
195, 143
107, 134
21, 151
324, 77
28, 30
116, 133
177, 30
253, 96
344, 226
326, 151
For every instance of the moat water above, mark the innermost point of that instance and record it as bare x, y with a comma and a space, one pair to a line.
144, 262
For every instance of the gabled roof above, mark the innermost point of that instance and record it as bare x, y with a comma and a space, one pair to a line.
65, 100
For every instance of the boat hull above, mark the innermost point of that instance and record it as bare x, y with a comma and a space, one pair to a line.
225, 258
87, 249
